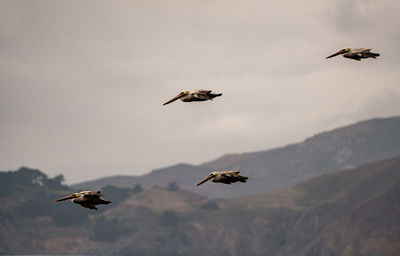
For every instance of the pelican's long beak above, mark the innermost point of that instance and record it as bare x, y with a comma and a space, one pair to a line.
174, 98
335, 54
66, 198
206, 179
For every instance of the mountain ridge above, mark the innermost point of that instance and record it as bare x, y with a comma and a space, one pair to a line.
341, 148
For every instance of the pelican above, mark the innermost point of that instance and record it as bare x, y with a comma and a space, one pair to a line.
226, 177
355, 54
87, 199
198, 95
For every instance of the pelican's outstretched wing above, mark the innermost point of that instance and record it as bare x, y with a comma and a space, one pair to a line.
359, 50
91, 194
233, 176
363, 53
229, 173
202, 94
202, 91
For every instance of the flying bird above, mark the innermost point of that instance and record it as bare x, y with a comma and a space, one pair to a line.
198, 95
355, 54
87, 199
226, 177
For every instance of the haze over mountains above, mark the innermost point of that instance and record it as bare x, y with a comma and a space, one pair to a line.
335, 150
340, 212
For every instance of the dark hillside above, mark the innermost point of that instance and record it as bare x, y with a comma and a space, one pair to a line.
352, 212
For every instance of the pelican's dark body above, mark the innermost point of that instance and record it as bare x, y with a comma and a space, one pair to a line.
87, 199
226, 177
199, 95
355, 54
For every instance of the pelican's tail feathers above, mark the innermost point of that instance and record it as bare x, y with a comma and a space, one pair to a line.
242, 179
101, 201
375, 54
372, 54
214, 95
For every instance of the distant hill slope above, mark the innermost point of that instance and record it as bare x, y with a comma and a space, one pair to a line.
342, 148
356, 212
353, 212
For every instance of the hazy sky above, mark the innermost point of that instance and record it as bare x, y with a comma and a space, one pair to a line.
82, 82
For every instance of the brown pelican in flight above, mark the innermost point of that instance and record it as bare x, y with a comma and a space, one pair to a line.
226, 177
355, 54
88, 199
198, 95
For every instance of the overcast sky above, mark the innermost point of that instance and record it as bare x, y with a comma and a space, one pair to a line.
82, 82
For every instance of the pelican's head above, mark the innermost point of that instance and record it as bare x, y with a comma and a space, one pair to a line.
343, 51
72, 197
180, 95
210, 176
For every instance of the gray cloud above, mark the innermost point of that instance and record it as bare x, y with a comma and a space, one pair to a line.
82, 83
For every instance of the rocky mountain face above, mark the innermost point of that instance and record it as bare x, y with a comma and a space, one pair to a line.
352, 212
339, 149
